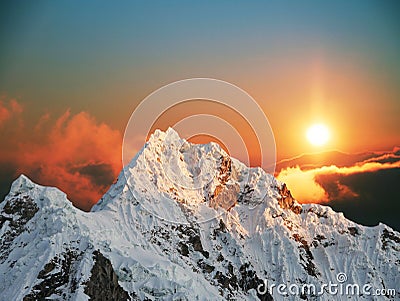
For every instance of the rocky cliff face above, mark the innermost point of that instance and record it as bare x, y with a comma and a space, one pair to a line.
103, 281
185, 222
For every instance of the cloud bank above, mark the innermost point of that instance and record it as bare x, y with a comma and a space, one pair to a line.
365, 190
73, 152
308, 185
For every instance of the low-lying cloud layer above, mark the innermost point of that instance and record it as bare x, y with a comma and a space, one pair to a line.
361, 190
308, 185
73, 152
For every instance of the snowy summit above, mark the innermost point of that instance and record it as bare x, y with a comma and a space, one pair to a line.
185, 222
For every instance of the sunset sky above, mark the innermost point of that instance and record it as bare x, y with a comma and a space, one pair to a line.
71, 74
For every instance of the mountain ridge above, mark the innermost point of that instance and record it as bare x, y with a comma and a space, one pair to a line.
219, 232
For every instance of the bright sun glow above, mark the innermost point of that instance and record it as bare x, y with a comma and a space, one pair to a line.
318, 134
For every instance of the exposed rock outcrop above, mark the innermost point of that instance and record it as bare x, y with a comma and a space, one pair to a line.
103, 282
286, 201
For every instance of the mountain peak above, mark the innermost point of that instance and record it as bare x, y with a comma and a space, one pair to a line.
169, 135
171, 138
185, 222
171, 170
24, 192
22, 184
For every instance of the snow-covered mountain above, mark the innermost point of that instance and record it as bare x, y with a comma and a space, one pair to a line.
187, 222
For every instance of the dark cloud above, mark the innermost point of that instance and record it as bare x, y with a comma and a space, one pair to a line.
7, 175
365, 190
100, 174
376, 196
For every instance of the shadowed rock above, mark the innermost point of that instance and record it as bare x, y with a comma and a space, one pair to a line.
103, 282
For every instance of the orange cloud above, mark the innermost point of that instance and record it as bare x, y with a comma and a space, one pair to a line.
42, 121
9, 110
306, 188
74, 152
303, 184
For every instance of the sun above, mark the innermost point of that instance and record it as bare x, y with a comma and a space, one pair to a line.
318, 134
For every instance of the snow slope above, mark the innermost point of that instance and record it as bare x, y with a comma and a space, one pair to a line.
185, 222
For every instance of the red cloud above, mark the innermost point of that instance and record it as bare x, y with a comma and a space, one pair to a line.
9, 110
75, 153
